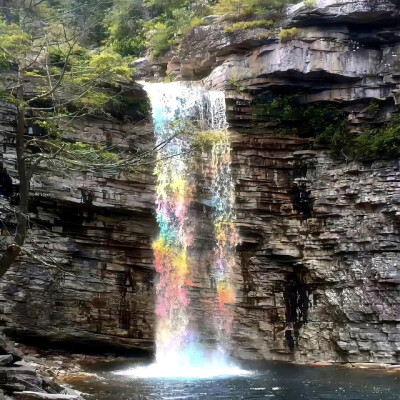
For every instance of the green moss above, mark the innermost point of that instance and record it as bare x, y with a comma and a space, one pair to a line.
262, 23
197, 21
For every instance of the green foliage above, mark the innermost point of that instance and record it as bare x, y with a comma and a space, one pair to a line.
125, 26
129, 46
6, 96
288, 34
89, 74
373, 107
110, 66
137, 25
310, 3
51, 128
14, 43
263, 23
206, 139
91, 153
160, 38
325, 123
381, 142
330, 128
58, 52
247, 7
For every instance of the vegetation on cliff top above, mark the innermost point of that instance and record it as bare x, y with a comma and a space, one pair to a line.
135, 26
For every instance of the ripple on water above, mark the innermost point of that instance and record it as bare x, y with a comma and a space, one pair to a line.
269, 381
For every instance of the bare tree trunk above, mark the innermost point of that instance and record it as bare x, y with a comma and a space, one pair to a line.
13, 250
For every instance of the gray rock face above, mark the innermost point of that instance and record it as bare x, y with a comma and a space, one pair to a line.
334, 11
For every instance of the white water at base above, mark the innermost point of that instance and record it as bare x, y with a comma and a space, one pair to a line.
161, 371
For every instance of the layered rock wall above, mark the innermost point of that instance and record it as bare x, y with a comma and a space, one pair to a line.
97, 228
323, 287
318, 267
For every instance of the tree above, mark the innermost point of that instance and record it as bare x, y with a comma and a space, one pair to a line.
51, 79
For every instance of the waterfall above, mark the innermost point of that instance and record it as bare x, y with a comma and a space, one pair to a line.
186, 117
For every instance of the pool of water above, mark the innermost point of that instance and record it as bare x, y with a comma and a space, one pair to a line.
275, 381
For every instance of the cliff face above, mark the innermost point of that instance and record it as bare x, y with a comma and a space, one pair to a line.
320, 253
324, 287
319, 260
98, 228
318, 267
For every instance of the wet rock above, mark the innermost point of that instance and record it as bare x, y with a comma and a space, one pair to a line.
51, 385
13, 387
44, 396
6, 359
7, 347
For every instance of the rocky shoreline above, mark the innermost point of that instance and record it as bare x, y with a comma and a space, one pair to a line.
25, 376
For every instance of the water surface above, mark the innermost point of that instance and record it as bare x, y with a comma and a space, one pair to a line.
275, 381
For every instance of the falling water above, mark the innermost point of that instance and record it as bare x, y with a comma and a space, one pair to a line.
185, 115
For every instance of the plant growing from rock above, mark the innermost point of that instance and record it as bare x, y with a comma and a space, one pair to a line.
311, 3
287, 35
263, 23
379, 142
249, 7
329, 126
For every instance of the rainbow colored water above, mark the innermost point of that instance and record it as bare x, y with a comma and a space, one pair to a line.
181, 114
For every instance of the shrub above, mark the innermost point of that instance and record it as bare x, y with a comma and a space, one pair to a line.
206, 139
248, 7
330, 128
381, 142
262, 23
129, 46
310, 3
327, 124
288, 34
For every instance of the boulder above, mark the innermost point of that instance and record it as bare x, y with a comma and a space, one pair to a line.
6, 359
